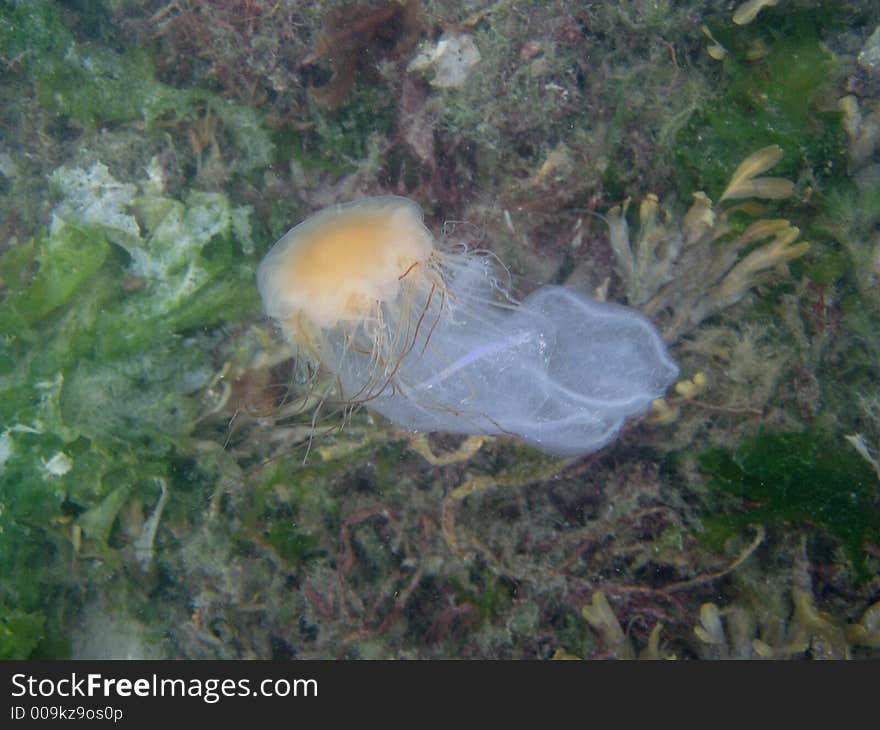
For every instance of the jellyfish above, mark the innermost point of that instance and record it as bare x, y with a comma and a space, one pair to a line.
427, 336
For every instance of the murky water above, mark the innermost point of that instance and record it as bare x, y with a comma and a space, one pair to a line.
179, 479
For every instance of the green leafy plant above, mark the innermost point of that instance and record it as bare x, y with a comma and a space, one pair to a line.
99, 381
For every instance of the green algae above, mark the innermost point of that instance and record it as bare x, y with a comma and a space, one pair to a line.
778, 98
793, 480
66, 263
294, 546
98, 391
20, 633
93, 85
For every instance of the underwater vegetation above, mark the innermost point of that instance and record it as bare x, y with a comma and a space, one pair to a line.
174, 484
739, 633
91, 85
98, 375
691, 271
778, 88
806, 478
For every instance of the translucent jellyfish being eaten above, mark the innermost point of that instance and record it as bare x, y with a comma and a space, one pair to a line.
428, 338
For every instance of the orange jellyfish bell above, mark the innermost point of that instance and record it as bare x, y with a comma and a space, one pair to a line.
342, 264
426, 337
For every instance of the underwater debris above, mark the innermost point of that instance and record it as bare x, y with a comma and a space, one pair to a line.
869, 56
687, 272
451, 59
715, 50
858, 442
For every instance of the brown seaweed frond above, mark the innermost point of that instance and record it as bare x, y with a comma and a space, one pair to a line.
746, 12
684, 272
745, 184
358, 35
741, 632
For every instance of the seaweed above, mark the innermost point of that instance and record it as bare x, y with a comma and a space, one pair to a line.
20, 632
358, 36
92, 86
799, 479
775, 77
99, 384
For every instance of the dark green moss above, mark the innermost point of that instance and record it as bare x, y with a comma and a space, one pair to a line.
494, 593
91, 85
20, 632
94, 21
294, 546
825, 266
344, 135
779, 98
795, 480
31, 32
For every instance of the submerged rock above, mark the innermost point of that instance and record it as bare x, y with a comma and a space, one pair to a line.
451, 59
869, 58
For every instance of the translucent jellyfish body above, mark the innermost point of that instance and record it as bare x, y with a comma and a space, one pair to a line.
426, 338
